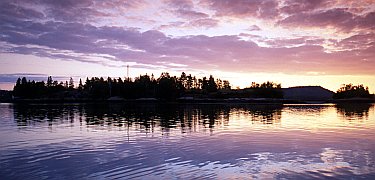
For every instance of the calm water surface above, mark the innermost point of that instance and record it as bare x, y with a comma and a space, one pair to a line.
101, 141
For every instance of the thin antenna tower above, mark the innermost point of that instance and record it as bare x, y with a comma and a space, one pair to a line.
127, 71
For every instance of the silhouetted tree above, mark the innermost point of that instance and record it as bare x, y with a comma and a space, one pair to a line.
165, 87
49, 81
66, 85
351, 91
24, 81
266, 90
28, 89
71, 83
212, 87
203, 83
80, 85
189, 82
226, 84
219, 84
183, 79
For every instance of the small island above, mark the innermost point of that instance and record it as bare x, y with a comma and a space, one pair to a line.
167, 88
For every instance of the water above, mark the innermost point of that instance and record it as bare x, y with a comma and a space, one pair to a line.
154, 141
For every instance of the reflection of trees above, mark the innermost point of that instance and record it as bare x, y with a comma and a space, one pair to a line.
144, 116
306, 109
165, 117
148, 116
26, 115
266, 114
187, 117
354, 110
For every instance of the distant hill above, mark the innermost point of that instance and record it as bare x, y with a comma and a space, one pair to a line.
307, 93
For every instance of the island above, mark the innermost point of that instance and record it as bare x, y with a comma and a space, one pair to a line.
167, 88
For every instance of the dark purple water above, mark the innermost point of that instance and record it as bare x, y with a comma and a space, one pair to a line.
154, 141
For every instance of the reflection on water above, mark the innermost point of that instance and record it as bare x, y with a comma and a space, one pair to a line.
167, 141
354, 111
146, 116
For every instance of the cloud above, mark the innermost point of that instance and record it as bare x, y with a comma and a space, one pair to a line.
180, 4
9, 9
355, 42
67, 10
78, 40
204, 22
300, 6
194, 19
84, 42
12, 78
343, 16
120, 4
175, 24
338, 18
189, 14
293, 42
361, 45
254, 28
267, 9
185, 9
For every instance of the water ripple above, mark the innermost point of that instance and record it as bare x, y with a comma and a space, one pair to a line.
155, 141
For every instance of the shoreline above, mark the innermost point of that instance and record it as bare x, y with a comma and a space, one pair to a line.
195, 101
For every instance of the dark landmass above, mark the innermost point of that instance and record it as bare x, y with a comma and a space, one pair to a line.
142, 88
188, 99
5, 96
183, 89
308, 93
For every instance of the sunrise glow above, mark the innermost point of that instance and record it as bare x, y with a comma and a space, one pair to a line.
295, 43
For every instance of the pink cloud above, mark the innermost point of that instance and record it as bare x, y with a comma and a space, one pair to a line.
204, 22
228, 53
299, 6
242, 8
338, 18
254, 28
74, 39
185, 9
360, 41
190, 14
68, 10
180, 4
285, 42
341, 15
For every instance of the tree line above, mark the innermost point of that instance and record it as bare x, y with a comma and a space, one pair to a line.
143, 86
164, 87
352, 91
267, 89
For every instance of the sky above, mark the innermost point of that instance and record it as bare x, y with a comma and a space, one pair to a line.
292, 42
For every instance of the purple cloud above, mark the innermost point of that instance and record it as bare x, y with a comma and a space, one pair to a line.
299, 6
75, 39
225, 52
67, 10
254, 28
180, 4
189, 14
185, 9
338, 18
360, 41
267, 9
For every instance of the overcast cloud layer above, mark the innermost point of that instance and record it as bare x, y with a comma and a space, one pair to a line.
286, 36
